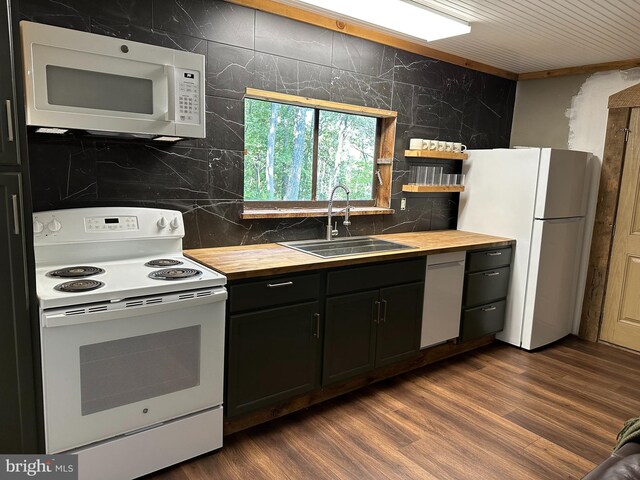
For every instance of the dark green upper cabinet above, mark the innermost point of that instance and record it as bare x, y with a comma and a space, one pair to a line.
8, 137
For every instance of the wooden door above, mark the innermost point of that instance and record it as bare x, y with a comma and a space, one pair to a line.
621, 321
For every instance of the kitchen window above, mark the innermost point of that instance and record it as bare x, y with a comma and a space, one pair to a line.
297, 149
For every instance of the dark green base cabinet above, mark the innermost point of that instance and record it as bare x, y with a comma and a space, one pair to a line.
485, 291
350, 335
374, 328
287, 338
273, 353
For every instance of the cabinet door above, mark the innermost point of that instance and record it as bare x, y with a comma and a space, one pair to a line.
15, 384
273, 355
8, 149
349, 336
399, 325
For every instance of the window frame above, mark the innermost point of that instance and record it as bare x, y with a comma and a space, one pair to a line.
383, 161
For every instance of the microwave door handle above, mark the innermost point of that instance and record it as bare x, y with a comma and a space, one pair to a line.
170, 73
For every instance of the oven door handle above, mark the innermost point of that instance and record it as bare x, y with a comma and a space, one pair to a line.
76, 315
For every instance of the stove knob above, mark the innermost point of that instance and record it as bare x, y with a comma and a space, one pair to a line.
162, 223
54, 225
37, 226
175, 223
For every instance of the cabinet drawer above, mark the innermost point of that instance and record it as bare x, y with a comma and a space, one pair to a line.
274, 291
378, 275
480, 321
488, 259
483, 287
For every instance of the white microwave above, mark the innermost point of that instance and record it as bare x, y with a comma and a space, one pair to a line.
108, 86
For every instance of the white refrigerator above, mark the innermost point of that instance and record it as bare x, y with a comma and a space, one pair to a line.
537, 196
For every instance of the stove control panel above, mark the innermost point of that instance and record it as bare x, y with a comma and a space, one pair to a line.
106, 224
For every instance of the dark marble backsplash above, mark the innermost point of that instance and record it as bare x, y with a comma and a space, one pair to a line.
248, 48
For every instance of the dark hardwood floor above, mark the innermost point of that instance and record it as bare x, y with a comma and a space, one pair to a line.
495, 413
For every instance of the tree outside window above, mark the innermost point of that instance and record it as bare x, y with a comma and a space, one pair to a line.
298, 154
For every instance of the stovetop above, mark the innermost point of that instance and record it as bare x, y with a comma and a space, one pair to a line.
106, 254
122, 279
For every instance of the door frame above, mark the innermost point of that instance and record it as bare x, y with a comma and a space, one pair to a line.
620, 105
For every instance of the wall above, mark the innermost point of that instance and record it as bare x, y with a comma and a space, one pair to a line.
244, 48
571, 112
540, 111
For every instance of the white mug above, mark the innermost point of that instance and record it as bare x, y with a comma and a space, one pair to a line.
459, 147
416, 144
430, 144
442, 146
449, 147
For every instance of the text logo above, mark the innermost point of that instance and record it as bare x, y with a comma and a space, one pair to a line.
49, 467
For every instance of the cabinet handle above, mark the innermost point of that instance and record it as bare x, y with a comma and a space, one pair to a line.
384, 312
9, 121
489, 309
493, 254
492, 274
276, 285
16, 215
377, 317
317, 317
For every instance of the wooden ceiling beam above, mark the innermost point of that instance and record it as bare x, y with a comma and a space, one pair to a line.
593, 68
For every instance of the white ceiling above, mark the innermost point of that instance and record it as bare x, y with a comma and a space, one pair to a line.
532, 35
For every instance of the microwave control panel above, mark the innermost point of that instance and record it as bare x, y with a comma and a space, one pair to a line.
188, 96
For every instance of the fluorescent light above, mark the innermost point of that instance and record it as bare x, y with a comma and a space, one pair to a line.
402, 16
57, 131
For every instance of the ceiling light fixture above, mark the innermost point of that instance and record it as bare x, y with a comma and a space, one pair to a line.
399, 16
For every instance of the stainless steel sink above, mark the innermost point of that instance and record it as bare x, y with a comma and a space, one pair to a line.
343, 247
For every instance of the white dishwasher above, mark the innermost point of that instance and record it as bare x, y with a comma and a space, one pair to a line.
443, 283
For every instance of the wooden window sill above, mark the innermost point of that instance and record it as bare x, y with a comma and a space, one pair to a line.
252, 213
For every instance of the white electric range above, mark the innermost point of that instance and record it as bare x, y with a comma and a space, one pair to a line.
132, 340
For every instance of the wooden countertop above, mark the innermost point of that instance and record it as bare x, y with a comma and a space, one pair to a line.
248, 261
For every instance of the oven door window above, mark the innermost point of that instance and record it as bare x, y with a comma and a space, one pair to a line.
128, 370
73, 87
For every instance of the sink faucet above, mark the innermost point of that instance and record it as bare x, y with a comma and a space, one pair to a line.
331, 231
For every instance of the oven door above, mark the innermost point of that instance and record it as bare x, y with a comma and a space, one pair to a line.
110, 369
